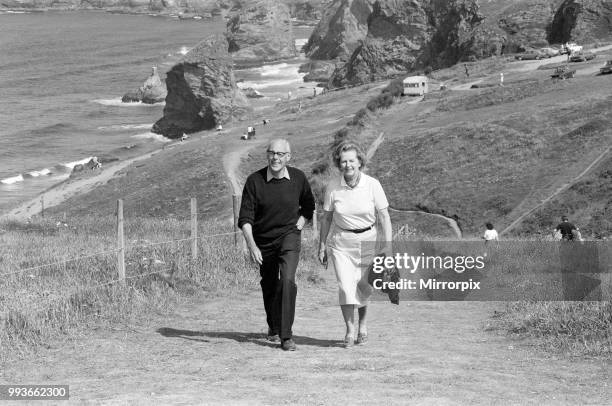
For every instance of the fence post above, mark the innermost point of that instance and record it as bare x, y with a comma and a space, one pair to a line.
120, 242
42, 206
194, 228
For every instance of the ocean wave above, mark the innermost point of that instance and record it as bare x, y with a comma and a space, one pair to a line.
271, 83
14, 179
125, 127
282, 69
300, 42
71, 165
183, 50
118, 103
152, 136
59, 169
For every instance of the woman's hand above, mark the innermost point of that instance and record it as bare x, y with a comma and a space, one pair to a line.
323, 257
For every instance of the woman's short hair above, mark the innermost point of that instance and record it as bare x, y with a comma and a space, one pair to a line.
489, 226
349, 146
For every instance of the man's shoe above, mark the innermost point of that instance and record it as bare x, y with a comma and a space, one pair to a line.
273, 337
288, 345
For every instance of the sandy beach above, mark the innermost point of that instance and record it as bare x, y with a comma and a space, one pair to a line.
84, 183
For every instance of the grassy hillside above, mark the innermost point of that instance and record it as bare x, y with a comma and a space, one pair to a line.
477, 155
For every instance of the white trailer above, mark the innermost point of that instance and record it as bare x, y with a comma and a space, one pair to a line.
416, 85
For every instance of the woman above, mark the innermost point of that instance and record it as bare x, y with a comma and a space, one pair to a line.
352, 203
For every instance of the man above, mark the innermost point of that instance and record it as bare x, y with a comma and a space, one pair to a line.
276, 203
568, 230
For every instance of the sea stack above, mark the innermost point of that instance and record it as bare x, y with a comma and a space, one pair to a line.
152, 91
202, 91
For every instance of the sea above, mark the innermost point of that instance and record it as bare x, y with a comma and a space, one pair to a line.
62, 76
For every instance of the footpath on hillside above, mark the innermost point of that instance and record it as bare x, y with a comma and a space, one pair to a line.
212, 350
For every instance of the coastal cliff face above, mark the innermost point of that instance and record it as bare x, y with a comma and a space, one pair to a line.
260, 31
343, 26
202, 91
407, 35
582, 21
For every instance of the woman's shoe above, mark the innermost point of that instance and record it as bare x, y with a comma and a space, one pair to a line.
349, 342
361, 338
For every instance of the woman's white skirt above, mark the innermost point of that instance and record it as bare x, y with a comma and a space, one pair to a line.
350, 261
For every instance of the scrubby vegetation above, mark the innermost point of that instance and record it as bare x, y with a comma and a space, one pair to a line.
40, 302
576, 328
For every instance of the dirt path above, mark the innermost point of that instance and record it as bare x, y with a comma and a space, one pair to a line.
213, 351
563, 188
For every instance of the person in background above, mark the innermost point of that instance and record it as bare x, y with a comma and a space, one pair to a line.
568, 231
353, 201
490, 233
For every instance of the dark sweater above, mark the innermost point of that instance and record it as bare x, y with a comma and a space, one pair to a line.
273, 207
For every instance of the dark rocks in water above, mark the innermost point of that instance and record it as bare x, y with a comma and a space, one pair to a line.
260, 32
152, 91
202, 91
252, 93
317, 71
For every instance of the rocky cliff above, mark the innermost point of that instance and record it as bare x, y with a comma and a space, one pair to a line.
343, 26
202, 91
582, 21
407, 35
413, 34
260, 31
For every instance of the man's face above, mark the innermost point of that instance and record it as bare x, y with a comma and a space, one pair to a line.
278, 154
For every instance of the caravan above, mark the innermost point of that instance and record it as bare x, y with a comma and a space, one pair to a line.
416, 86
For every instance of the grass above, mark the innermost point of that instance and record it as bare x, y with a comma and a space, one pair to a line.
572, 328
47, 302
478, 155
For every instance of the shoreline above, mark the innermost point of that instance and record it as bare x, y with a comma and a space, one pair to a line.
72, 187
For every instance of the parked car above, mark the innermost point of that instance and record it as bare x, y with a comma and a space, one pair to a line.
563, 72
548, 52
569, 48
526, 56
607, 68
582, 56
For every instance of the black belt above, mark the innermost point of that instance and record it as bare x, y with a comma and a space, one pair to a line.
359, 230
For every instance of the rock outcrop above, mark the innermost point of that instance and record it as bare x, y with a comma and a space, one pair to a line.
415, 34
407, 35
202, 91
343, 26
152, 91
581, 21
260, 31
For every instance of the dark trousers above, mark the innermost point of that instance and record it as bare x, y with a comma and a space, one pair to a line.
280, 259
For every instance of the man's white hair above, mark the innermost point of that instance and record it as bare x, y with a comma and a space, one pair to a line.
283, 140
